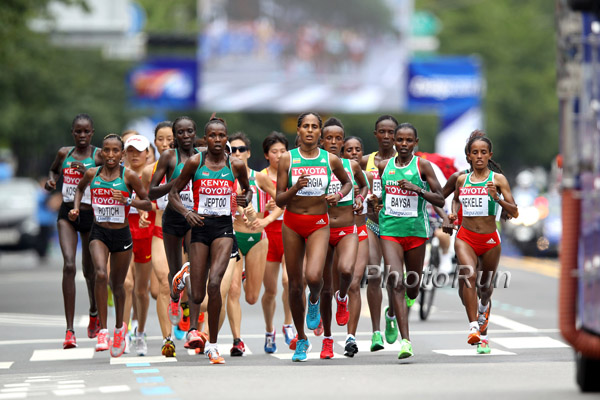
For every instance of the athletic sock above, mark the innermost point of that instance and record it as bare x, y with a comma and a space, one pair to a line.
474, 325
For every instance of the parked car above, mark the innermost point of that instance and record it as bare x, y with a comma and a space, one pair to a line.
19, 226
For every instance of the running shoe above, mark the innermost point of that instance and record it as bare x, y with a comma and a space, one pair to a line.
178, 333
102, 343
351, 348
178, 282
406, 349
117, 344
70, 341
195, 339
484, 318
238, 348
313, 315
93, 326
294, 342
483, 347
288, 333
391, 328
184, 323
342, 315
141, 347
214, 356
168, 347
409, 302
319, 330
376, 341
302, 348
474, 336
327, 350
175, 310
270, 346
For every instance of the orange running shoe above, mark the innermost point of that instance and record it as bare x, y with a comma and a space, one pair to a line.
102, 344
319, 330
474, 336
184, 324
214, 356
178, 282
483, 319
70, 341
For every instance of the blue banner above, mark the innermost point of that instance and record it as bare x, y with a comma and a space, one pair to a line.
452, 87
164, 83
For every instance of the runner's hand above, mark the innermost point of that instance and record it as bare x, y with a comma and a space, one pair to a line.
301, 183
74, 214
194, 219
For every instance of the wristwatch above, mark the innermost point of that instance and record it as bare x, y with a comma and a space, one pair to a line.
128, 201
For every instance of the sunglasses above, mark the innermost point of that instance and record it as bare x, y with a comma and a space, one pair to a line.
241, 149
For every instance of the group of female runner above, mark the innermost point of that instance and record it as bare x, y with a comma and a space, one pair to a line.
332, 208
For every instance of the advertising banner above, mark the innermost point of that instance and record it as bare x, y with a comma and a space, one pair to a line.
164, 83
451, 87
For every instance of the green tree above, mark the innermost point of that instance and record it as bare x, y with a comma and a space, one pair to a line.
42, 87
516, 42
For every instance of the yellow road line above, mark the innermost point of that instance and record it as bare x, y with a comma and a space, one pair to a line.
540, 266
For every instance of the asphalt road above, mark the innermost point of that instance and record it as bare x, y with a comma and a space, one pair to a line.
528, 360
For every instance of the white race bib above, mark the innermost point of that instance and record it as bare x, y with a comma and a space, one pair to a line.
317, 180
401, 202
474, 201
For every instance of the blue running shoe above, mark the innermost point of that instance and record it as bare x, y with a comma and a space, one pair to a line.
270, 346
302, 348
313, 315
179, 334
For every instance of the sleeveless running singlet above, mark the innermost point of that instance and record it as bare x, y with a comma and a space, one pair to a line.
106, 208
187, 196
475, 200
364, 210
335, 185
317, 168
404, 212
71, 177
372, 168
212, 189
161, 202
259, 198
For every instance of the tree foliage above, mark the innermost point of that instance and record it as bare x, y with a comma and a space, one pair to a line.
43, 87
516, 41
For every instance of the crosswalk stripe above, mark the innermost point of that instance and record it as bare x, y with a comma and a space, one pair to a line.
535, 342
114, 389
310, 356
145, 360
473, 352
6, 364
13, 395
61, 355
510, 324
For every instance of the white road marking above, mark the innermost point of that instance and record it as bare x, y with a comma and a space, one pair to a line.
511, 324
473, 352
310, 356
12, 385
114, 389
134, 360
13, 395
70, 382
60, 355
529, 342
364, 346
69, 392
6, 365
72, 386
14, 390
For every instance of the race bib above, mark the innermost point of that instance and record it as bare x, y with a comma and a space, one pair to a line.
401, 202
71, 178
187, 196
317, 180
106, 208
335, 186
214, 197
376, 184
474, 201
